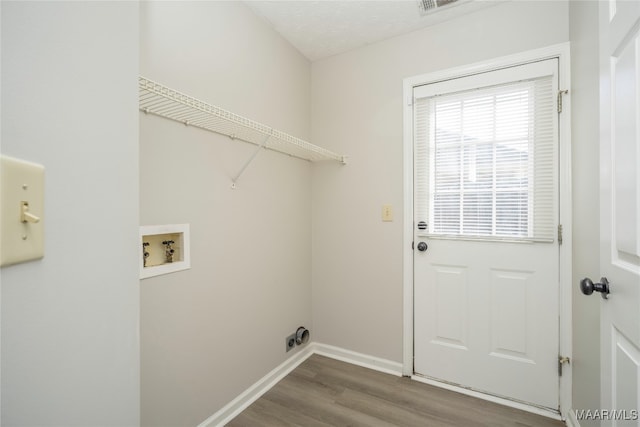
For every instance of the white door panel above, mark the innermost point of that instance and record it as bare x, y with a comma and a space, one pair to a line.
486, 290
489, 322
620, 210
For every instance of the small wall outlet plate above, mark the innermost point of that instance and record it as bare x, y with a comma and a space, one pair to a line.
290, 342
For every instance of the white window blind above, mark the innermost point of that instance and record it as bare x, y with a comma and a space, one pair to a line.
486, 162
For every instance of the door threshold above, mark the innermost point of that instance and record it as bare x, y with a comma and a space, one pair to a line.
528, 407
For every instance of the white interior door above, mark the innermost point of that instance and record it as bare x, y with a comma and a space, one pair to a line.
620, 211
486, 264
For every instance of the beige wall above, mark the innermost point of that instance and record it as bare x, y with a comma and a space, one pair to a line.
70, 345
586, 221
212, 331
357, 109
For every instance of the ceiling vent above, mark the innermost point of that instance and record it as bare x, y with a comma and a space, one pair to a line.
430, 6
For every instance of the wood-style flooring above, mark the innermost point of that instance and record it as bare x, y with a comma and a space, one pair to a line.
324, 392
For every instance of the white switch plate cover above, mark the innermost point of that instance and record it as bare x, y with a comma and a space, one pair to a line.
20, 181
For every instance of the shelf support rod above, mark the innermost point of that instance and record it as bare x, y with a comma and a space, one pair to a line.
248, 162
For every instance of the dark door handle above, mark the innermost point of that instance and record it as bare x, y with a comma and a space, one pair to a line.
587, 287
422, 246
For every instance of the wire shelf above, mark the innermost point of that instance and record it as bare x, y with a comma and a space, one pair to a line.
160, 100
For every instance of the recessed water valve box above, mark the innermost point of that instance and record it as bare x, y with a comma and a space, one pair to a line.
164, 249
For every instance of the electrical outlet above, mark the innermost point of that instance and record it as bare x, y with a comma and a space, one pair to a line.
290, 342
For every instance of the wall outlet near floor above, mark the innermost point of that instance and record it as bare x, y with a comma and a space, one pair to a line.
290, 342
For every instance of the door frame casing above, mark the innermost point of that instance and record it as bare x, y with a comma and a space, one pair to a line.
562, 52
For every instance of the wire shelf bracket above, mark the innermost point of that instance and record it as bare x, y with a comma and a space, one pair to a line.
248, 162
155, 98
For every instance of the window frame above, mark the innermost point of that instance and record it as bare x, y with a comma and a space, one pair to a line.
504, 77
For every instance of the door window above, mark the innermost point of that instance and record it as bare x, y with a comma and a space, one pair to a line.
486, 161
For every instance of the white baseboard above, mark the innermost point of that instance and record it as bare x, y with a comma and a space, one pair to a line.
253, 393
495, 399
360, 359
572, 420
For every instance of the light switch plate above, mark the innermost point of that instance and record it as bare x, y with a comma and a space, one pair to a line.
20, 182
387, 213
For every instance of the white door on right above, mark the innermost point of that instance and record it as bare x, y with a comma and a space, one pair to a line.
620, 212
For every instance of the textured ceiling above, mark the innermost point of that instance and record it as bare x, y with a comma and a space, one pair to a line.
320, 29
